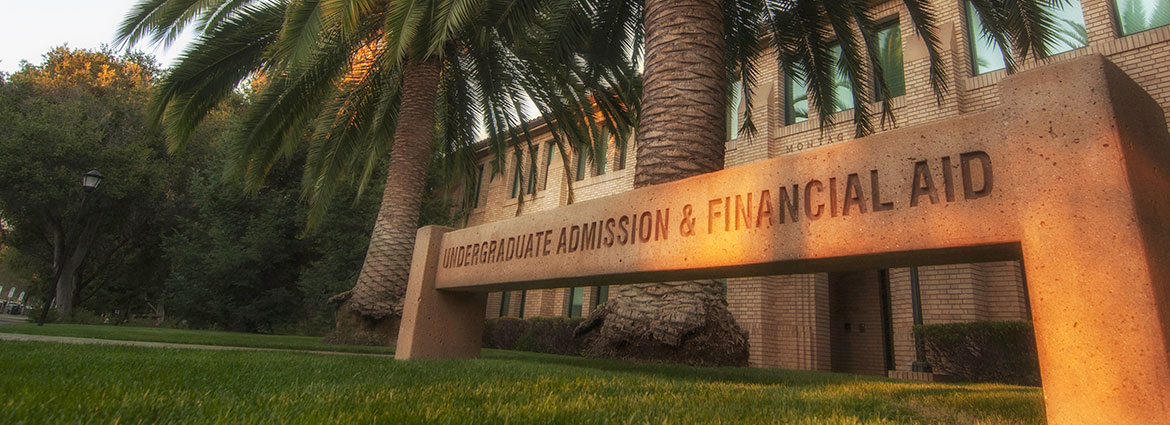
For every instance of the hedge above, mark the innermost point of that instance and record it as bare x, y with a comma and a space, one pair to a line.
1003, 352
552, 335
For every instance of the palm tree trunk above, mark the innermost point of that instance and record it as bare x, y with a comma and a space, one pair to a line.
369, 312
681, 134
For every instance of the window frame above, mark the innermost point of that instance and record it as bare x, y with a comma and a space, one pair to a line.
622, 149
533, 155
523, 300
477, 186
572, 296
580, 166
969, 13
733, 113
550, 150
789, 105
505, 300
600, 163
892, 21
601, 295
515, 179
1115, 11
789, 81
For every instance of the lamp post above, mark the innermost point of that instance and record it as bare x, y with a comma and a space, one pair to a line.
89, 183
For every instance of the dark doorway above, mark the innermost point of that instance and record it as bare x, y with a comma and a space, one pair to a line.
859, 339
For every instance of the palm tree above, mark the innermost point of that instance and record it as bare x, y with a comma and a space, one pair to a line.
361, 79
694, 50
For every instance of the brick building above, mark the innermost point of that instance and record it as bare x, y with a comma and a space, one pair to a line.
857, 322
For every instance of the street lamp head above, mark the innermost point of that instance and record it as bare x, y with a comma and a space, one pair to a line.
91, 180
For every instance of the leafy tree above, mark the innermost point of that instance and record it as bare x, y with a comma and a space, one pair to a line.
236, 260
243, 261
417, 75
77, 111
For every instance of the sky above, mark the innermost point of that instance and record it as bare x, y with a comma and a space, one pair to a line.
28, 29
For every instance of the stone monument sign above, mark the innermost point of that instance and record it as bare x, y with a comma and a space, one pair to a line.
1071, 174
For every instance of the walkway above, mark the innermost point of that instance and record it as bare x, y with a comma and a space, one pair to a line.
73, 340
8, 319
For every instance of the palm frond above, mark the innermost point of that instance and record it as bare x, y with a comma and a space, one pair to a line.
212, 68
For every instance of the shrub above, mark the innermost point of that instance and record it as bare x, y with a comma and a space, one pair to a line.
80, 316
1003, 352
502, 333
34, 314
553, 335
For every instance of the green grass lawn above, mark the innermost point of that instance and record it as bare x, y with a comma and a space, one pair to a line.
57, 383
181, 336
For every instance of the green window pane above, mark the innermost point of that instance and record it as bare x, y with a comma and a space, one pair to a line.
1070, 35
795, 99
602, 294
532, 172
1070, 27
576, 301
581, 163
796, 92
516, 180
889, 41
551, 149
841, 84
523, 299
985, 55
504, 301
476, 187
621, 164
1135, 16
603, 156
733, 110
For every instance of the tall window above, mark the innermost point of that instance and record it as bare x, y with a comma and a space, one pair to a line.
581, 163
796, 92
576, 300
523, 299
551, 148
516, 179
1134, 16
795, 99
505, 299
733, 110
532, 155
889, 43
841, 84
622, 148
602, 294
986, 56
476, 186
600, 161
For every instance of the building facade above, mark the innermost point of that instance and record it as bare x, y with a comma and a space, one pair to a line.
856, 322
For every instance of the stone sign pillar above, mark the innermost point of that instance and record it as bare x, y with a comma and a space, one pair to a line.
437, 324
1095, 241
1071, 173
